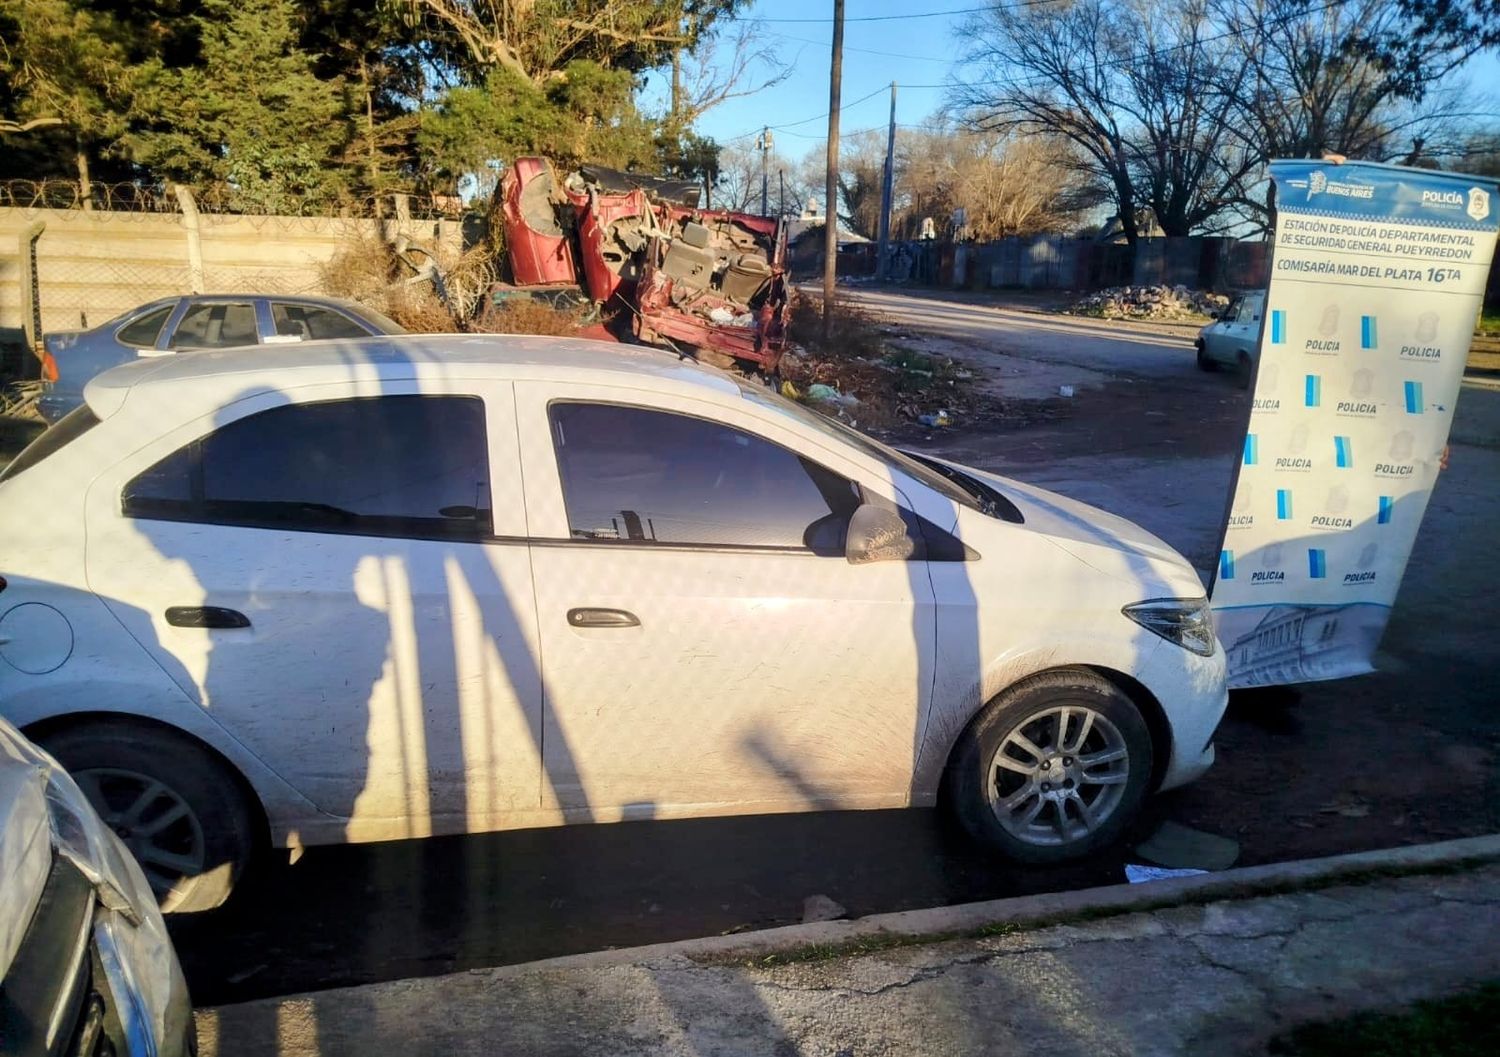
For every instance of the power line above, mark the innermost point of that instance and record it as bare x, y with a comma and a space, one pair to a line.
919, 14
864, 51
1126, 60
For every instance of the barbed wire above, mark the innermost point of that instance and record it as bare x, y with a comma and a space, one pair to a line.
141, 198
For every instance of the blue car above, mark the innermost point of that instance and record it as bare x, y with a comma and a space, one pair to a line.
184, 324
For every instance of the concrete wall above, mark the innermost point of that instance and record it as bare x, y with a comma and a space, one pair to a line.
91, 266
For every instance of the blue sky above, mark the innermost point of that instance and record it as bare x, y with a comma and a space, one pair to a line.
925, 47
918, 53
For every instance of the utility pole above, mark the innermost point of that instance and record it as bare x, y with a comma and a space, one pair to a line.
886, 190
763, 143
831, 185
781, 201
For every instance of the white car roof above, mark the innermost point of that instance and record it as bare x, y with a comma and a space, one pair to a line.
207, 379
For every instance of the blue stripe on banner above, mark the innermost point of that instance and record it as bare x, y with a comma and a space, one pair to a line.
1226, 565
1317, 564
1314, 390
1283, 503
1251, 452
1387, 503
1343, 452
1278, 327
1367, 334
1414, 404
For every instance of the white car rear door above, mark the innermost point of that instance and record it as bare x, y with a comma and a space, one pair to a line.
344, 585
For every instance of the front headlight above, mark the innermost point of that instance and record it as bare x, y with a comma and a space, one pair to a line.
1185, 621
80, 837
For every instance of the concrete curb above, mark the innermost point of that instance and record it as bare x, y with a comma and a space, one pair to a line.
1037, 910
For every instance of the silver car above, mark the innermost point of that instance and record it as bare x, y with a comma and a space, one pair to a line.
1232, 339
183, 324
85, 963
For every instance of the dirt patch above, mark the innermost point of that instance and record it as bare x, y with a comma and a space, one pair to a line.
874, 374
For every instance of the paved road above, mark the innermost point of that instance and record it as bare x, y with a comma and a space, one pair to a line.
1034, 352
1405, 756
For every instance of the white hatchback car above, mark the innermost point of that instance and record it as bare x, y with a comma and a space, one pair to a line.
1233, 338
404, 586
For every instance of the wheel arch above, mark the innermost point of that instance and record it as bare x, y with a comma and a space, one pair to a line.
1140, 696
39, 730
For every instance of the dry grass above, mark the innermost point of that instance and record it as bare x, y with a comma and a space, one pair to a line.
523, 315
416, 308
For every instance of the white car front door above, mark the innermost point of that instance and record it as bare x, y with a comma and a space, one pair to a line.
331, 580
707, 648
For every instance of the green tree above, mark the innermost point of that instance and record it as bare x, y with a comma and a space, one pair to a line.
62, 59
249, 122
586, 113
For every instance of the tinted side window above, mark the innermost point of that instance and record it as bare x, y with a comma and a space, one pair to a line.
652, 476
309, 322
386, 466
142, 334
216, 325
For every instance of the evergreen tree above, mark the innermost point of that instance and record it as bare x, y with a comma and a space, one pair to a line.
249, 124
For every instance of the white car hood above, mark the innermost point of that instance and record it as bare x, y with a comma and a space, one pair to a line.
1085, 531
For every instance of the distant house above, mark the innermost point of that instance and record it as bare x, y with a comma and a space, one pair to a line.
805, 245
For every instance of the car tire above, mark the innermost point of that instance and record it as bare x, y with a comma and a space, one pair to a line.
1244, 371
1205, 362
174, 805
1086, 806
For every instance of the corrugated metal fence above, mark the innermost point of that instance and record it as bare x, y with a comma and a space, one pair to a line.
1056, 262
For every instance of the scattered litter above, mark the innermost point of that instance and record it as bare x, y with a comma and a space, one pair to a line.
721, 315
790, 391
1065, 390
1141, 874
1148, 302
936, 419
820, 392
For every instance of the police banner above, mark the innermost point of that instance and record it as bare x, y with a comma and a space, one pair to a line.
1377, 277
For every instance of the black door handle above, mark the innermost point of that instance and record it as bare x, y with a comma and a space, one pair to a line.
602, 618
206, 617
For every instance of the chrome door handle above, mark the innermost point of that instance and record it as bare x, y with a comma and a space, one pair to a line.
602, 618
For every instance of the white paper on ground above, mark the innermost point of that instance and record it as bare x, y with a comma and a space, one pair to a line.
1141, 874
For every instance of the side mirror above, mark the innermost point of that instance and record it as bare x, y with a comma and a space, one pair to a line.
878, 533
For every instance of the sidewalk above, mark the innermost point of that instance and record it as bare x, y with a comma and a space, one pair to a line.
1205, 965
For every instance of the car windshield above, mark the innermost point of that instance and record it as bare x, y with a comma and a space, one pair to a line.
884, 453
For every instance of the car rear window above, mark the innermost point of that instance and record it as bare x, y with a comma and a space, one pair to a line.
143, 332
66, 429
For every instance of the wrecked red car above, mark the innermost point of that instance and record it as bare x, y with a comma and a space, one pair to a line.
711, 280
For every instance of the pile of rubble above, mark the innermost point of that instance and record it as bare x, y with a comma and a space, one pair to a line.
1148, 302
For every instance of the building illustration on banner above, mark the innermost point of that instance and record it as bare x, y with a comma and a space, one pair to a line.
1377, 275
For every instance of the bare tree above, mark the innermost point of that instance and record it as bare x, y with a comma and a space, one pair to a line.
535, 39
721, 68
1308, 92
1005, 185
1137, 88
